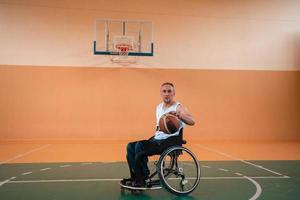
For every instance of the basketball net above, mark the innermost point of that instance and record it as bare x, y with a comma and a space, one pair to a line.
122, 46
123, 49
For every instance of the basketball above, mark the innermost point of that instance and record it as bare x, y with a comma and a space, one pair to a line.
169, 123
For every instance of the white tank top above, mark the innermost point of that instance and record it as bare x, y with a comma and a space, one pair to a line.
160, 110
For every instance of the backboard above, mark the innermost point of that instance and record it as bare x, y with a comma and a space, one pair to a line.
112, 37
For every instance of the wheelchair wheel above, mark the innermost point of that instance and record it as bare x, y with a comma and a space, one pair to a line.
179, 170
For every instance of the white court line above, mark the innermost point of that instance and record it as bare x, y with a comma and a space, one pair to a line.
67, 180
7, 181
235, 158
3, 182
257, 185
44, 169
26, 173
258, 188
118, 179
253, 177
24, 154
239, 174
62, 166
221, 169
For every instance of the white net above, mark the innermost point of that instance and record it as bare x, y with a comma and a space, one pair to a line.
123, 49
122, 45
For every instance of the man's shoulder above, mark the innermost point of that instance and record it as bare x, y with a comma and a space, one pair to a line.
160, 105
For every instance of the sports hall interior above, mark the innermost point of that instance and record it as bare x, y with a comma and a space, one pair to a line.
235, 66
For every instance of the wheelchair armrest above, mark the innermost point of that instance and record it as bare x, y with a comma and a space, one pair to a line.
151, 138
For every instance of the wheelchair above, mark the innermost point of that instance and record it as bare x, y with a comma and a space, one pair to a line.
177, 169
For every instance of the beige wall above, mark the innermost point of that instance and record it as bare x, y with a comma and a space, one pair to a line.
229, 34
119, 103
257, 99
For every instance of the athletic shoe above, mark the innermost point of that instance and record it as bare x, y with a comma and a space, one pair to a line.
139, 183
127, 181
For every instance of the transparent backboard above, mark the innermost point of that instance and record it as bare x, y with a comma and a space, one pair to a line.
111, 33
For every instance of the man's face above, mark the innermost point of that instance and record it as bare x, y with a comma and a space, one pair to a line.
167, 92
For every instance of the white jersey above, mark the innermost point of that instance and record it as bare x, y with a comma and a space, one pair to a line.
160, 110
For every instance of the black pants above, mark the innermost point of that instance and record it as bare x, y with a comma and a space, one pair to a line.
138, 152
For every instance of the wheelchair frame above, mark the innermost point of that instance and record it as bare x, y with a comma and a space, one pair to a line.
173, 169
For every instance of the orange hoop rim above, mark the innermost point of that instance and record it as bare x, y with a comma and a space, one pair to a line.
124, 47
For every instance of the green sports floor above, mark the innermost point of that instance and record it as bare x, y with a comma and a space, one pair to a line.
275, 180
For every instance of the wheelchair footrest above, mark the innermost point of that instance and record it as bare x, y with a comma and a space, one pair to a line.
153, 187
152, 183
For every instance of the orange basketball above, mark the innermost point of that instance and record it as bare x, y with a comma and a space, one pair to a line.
169, 123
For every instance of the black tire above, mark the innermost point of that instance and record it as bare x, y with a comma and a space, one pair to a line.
179, 170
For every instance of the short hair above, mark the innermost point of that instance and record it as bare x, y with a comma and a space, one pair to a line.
168, 83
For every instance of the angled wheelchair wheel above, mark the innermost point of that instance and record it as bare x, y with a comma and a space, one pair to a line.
179, 170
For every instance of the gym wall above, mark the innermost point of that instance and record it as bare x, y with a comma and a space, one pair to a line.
187, 34
235, 65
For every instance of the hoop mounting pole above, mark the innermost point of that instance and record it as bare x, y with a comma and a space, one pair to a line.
124, 29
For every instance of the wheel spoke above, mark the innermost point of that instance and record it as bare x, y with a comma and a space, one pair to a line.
179, 170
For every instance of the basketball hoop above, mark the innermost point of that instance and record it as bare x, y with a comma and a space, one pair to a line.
122, 46
123, 49
123, 41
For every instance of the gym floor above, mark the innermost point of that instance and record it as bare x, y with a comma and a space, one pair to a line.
93, 171
67, 114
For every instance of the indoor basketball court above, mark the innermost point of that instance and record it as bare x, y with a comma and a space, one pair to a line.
79, 80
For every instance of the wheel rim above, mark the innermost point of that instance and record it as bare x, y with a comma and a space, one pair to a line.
180, 170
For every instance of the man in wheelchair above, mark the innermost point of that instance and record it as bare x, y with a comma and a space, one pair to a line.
138, 151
